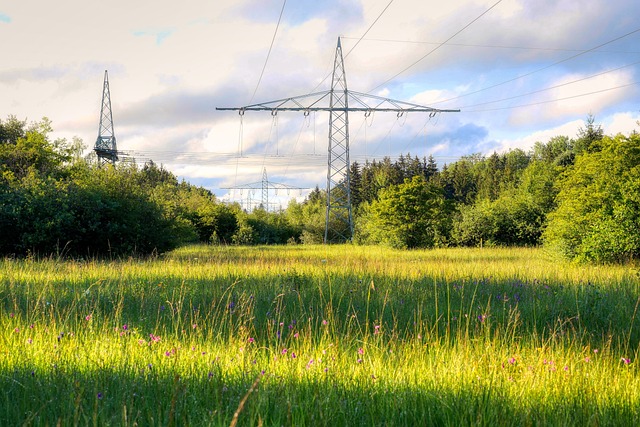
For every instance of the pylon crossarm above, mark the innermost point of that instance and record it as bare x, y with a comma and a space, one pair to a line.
357, 101
286, 104
259, 186
388, 104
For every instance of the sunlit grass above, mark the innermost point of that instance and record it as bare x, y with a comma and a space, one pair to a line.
334, 335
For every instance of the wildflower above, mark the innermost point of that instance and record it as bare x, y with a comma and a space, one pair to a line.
142, 342
566, 368
99, 396
251, 339
512, 360
376, 329
360, 350
16, 330
11, 315
210, 374
293, 355
595, 351
29, 341
324, 322
626, 361
284, 351
587, 359
296, 335
482, 317
359, 360
125, 327
87, 317
31, 326
194, 326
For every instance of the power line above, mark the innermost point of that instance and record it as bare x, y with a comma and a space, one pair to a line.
369, 29
439, 46
551, 87
551, 49
554, 100
354, 46
273, 39
540, 69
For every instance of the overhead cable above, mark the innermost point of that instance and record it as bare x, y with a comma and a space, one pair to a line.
540, 69
439, 46
273, 39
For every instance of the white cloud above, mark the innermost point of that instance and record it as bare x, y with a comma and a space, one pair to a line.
170, 64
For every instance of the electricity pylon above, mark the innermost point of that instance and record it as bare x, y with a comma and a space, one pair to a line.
105, 147
265, 185
339, 219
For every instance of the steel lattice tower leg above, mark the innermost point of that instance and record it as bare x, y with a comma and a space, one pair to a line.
106, 148
339, 224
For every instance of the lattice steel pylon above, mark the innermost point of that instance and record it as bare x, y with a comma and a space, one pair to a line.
339, 101
339, 218
265, 185
105, 147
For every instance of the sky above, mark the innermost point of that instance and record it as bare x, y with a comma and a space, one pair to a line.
519, 71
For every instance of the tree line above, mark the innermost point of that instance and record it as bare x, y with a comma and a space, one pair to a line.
578, 196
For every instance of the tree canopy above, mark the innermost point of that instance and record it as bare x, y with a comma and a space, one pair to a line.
578, 196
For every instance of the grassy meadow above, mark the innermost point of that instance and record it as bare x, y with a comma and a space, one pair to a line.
319, 335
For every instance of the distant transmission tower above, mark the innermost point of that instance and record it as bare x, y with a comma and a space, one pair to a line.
265, 185
105, 147
339, 219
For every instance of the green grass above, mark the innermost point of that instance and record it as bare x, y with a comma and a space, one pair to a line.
328, 335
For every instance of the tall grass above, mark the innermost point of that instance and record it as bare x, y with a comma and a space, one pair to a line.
324, 335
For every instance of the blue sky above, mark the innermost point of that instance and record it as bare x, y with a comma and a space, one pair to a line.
520, 71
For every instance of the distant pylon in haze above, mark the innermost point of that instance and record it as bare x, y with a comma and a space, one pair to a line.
105, 147
265, 185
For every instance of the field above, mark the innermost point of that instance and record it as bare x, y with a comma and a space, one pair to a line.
319, 335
